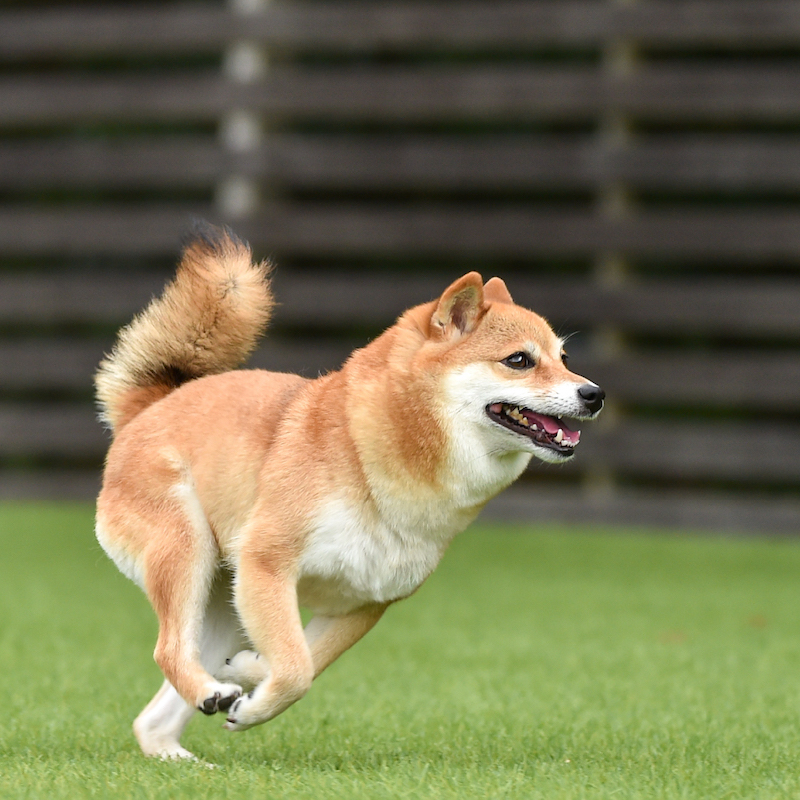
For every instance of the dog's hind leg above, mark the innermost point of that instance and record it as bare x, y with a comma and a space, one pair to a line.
181, 562
161, 723
159, 727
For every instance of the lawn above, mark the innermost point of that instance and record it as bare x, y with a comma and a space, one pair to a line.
537, 662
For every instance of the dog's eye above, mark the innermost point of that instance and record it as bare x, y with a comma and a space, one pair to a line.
518, 361
564, 359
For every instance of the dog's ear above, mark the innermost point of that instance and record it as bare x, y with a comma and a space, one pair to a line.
495, 291
460, 308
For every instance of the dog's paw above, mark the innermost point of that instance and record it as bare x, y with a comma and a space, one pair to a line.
246, 668
241, 715
219, 697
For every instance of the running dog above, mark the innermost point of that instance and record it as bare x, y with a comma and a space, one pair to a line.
234, 497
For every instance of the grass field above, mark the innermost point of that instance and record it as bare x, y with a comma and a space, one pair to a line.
537, 662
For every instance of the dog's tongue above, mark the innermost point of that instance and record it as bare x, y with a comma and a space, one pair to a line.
551, 425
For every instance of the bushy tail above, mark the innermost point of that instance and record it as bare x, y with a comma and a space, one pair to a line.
207, 320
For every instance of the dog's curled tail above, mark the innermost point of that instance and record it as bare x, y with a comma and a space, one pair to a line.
206, 321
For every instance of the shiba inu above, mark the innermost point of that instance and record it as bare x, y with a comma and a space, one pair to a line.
234, 497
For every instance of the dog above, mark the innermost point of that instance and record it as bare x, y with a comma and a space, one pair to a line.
234, 497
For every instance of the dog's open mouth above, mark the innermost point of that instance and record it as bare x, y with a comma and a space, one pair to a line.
551, 432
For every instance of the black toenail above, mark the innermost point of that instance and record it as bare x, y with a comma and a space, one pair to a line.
227, 702
209, 706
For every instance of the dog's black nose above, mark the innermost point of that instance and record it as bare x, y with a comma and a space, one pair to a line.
592, 397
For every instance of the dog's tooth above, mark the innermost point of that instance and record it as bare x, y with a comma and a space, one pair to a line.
535, 427
559, 436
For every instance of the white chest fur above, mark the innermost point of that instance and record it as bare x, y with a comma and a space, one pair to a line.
351, 560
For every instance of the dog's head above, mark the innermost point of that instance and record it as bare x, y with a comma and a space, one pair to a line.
505, 371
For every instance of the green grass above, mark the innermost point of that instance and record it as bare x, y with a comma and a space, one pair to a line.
541, 663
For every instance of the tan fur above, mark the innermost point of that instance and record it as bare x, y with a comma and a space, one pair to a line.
208, 320
238, 496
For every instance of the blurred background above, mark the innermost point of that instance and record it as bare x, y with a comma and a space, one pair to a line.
631, 169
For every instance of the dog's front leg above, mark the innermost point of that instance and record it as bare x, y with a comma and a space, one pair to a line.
327, 639
266, 600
